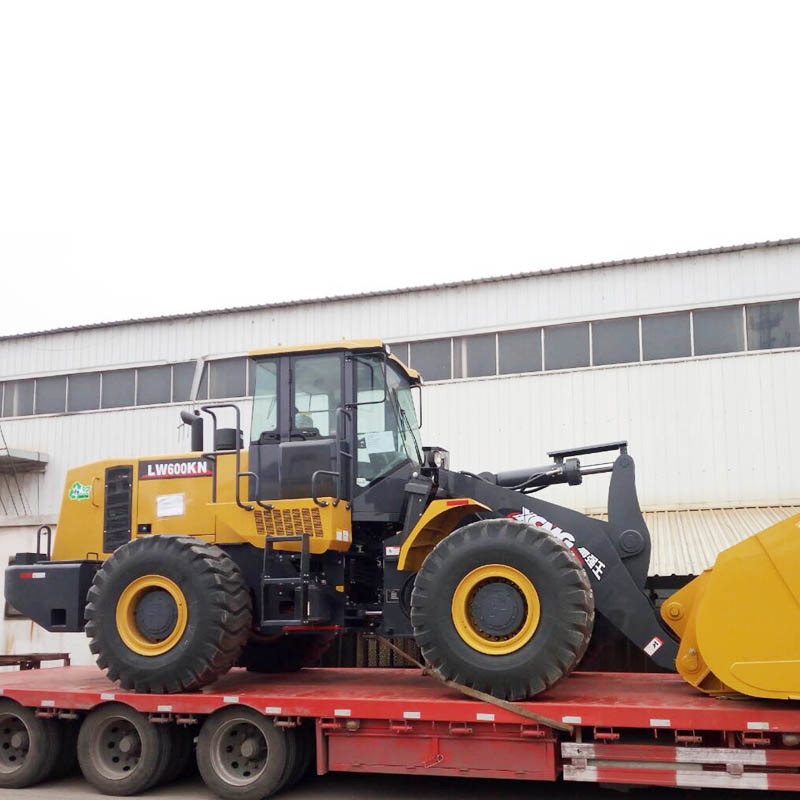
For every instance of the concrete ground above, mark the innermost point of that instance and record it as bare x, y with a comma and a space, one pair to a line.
339, 786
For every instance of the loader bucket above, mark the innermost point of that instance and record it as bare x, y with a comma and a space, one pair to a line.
739, 622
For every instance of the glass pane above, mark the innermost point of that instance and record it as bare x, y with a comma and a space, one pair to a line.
265, 401
83, 392
718, 330
615, 341
202, 387
317, 395
182, 377
772, 325
474, 356
520, 351
666, 336
118, 388
400, 349
153, 385
51, 395
431, 359
228, 378
251, 376
18, 399
566, 346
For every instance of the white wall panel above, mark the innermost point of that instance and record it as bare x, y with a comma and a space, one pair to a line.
641, 287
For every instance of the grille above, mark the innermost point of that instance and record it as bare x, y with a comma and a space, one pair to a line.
117, 510
289, 522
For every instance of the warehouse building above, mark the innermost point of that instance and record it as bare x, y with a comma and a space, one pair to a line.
694, 358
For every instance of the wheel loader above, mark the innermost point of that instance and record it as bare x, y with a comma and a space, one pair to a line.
335, 517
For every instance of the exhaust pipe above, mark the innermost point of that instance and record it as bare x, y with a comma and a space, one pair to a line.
195, 422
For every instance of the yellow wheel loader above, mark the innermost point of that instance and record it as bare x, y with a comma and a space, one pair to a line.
334, 517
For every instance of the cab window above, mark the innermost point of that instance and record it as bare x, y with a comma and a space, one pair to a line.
386, 421
265, 402
317, 394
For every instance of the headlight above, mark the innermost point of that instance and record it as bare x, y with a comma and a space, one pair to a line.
438, 458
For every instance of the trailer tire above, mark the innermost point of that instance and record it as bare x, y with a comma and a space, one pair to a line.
242, 755
182, 752
192, 632
29, 746
287, 654
120, 751
502, 607
306, 750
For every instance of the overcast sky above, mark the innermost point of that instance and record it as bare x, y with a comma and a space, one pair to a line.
159, 157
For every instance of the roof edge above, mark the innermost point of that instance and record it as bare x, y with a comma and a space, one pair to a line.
403, 290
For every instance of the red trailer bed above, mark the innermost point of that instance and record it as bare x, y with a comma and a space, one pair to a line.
646, 729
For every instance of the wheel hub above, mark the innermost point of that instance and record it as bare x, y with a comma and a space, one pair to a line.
239, 752
14, 744
498, 608
117, 749
156, 614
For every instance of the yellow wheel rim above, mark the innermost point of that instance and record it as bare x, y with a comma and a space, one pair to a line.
128, 628
472, 633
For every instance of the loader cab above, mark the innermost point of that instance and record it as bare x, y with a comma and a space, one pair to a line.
335, 420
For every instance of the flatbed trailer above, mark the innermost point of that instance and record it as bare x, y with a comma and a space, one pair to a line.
619, 728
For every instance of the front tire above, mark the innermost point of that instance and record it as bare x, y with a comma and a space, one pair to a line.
168, 614
502, 607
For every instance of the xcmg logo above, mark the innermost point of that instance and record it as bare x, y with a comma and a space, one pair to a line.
539, 521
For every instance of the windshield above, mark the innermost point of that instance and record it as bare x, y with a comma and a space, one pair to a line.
387, 431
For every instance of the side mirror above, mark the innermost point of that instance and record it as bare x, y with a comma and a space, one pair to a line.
195, 422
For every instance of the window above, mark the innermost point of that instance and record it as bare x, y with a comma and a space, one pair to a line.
182, 377
431, 359
118, 388
718, 330
520, 351
566, 346
771, 325
83, 392
265, 401
18, 398
228, 378
382, 431
400, 349
475, 356
666, 336
153, 385
317, 395
51, 395
202, 387
615, 341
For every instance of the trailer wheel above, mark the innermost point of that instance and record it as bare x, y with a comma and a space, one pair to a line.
168, 614
286, 654
306, 750
67, 765
242, 755
29, 746
120, 751
182, 752
502, 607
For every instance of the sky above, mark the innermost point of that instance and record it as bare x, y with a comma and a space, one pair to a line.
163, 157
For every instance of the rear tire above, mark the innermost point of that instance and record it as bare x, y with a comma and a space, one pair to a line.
242, 755
502, 607
120, 751
287, 654
29, 746
168, 614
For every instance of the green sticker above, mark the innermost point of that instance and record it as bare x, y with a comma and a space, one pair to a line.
80, 491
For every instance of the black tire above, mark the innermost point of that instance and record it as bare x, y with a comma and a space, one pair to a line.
288, 654
67, 764
120, 751
218, 606
306, 750
29, 746
229, 773
566, 609
182, 752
